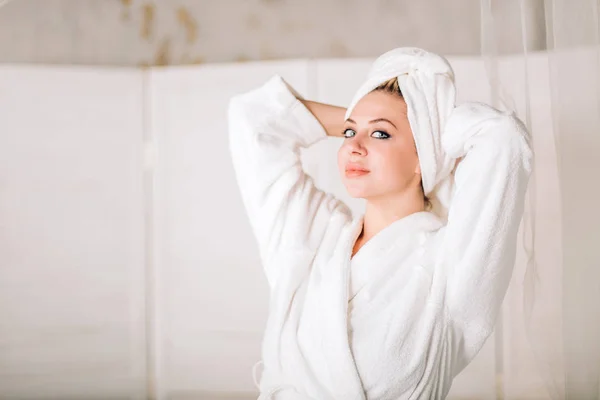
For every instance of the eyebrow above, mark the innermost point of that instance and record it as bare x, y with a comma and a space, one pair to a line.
375, 120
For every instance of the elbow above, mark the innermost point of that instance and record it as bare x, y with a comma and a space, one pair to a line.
480, 125
238, 115
246, 111
235, 108
518, 142
239, 127
516, 129
508, 141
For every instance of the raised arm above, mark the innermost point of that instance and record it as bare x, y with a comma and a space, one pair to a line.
267, 128
481, 235
331, 117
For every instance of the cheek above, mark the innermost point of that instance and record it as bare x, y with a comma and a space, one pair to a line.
396, 165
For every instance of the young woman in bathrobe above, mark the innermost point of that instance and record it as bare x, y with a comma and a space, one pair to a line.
395, 302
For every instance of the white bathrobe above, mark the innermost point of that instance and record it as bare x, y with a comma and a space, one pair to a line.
405, 315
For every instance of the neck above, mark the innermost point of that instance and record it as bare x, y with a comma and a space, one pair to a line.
382, 212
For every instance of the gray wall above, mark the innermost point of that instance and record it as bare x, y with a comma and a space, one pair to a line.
163, 32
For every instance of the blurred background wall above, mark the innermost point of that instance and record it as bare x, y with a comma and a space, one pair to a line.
174, 32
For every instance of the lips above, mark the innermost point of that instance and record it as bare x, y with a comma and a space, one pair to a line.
353, 170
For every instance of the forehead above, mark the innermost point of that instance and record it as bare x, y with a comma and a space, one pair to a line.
380, 104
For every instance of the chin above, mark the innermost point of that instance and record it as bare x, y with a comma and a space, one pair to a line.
357, 193
356, 196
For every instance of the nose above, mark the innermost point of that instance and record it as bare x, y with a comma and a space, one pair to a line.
355, 146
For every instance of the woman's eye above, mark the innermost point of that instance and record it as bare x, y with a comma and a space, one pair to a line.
376, 134
347, 132
382, 135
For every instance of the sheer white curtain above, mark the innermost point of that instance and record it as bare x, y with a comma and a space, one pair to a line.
551, 322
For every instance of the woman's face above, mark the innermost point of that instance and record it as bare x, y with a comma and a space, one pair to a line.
378, 140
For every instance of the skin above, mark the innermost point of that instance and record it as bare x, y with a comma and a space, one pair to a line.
377, 137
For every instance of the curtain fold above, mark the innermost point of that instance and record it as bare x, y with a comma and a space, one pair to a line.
558, 277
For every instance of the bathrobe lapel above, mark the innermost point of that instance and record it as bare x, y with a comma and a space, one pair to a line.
329, 312
378, 257
327, 306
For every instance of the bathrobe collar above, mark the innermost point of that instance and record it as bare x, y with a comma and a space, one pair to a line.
423, 221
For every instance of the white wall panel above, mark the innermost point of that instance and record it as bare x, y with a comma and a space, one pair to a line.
72, 234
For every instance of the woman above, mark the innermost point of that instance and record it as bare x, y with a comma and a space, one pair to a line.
394, 303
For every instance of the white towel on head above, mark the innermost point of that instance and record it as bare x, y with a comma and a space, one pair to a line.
427, 84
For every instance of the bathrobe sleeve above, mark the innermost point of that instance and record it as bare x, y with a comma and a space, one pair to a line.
288, 214
487, 206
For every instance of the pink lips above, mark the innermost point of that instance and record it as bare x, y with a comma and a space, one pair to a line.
355, 170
